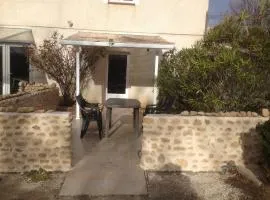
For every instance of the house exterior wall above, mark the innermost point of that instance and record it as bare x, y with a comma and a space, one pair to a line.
141, 73
181, 22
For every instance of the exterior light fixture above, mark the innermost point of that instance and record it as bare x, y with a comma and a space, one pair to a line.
111, 43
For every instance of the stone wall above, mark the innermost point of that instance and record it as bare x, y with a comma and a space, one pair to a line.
29, 141
199, 143
32, 87
46, 98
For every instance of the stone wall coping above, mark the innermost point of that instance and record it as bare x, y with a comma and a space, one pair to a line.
33, 113
224, 115
24, 94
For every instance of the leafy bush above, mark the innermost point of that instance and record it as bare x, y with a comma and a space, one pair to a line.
227, 70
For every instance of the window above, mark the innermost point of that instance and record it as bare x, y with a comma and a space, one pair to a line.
14, 67
18, 66
133, 2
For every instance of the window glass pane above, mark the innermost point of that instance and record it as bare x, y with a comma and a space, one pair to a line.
117, 74
19, 67
1, 70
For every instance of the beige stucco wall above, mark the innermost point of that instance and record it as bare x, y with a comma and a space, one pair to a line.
150, 16
140, 74
181, 22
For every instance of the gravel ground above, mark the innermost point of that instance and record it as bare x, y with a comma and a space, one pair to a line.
161, 186
201, 186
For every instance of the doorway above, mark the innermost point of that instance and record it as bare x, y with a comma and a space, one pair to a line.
117, 76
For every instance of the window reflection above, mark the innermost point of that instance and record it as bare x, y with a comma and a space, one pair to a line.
19, 67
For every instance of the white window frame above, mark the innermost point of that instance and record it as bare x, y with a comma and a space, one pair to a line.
5, 69
128, 2
2, 46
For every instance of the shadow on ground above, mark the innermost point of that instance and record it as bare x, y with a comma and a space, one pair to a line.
173, 186
251, 192
161, 186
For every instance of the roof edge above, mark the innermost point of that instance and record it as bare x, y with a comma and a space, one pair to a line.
119, 44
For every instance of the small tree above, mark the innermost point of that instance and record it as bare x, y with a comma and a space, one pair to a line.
59, 63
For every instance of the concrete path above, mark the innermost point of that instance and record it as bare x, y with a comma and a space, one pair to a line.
110, 168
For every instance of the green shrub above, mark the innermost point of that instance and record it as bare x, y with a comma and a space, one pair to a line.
227, 70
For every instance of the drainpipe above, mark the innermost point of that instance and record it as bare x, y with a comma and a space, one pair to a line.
77, 81
155, 76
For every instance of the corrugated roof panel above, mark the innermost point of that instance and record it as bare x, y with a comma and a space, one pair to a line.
15, 35
84, 38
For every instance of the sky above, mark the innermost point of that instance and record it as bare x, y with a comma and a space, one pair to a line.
216, 9
218, 6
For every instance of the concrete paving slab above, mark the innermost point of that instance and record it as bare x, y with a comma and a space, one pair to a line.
110, 168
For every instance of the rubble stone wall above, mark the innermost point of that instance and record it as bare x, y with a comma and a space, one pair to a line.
47, 99
30, 141
200, 143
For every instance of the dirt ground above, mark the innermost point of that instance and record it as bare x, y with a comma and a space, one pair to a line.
161, 186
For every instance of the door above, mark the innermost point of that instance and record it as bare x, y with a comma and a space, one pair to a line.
117, 76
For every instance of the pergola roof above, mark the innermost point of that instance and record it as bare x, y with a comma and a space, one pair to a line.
16, 35
117, 40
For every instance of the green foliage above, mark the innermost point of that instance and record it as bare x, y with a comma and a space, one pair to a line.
264, 131
37, 175
227, 70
